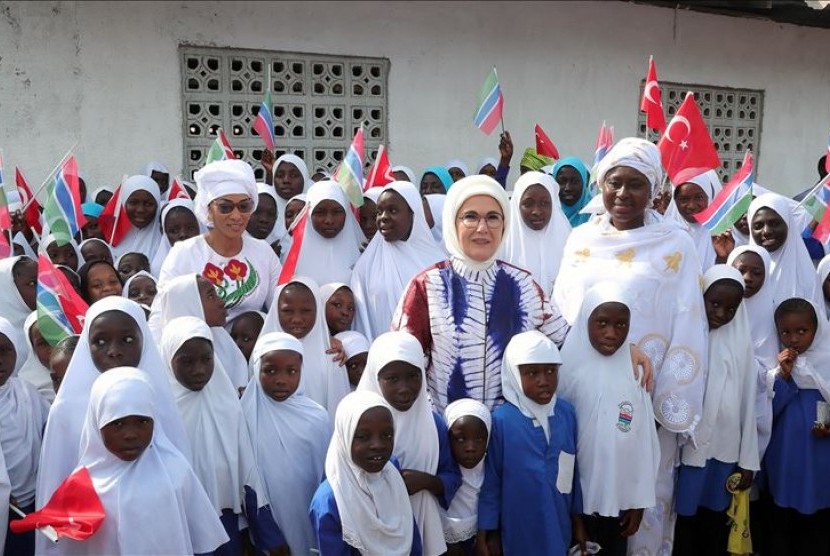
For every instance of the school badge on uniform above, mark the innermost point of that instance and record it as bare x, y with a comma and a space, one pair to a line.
626, 414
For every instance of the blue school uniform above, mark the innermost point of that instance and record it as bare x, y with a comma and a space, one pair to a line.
264, 532
448, 472
524, 479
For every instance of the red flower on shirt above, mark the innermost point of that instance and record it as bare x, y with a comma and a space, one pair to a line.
214, 274
236, 269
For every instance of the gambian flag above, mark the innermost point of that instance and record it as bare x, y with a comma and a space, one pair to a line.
60, 310
264, 123
350, 172
731, 203
63, 207
490, 104
221, 149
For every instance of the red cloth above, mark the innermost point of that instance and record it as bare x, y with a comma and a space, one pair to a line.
544, 146
32, 212
113, 220
652, 103
380, 173
686, 147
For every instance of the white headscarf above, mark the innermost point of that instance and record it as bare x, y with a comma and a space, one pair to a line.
760, 308
323, 381
145, 240
822, 271
329, 260
157, 166
220, 178
278, 231
462, 190
287, 239
96, 240
436, 207
636, 153
125, 290
537, 251
12, 306
812, 368
290, 440
32, 370
20, 239
298, 163
63, 435
164, 243
792, 271
180, 297
158, 489
524, 349
457, 163
461, 518
615, 415
711, 185
373, 193
410, 175
354, 343
49, 238
374, 508
494, 162
386, 267
416, 437
23, 413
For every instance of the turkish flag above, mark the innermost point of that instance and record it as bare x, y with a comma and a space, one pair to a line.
686, 147
380, 173
544, 146
652, 103
32, 212
297, 232
74, 511
113, 220
177, 191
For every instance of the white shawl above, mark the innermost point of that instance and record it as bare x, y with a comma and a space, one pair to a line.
12, 306
145, 240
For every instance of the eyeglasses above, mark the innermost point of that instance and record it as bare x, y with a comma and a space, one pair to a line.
245, 206
472, 220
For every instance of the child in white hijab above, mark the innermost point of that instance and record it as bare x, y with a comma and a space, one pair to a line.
35, 369
18, 276
141, 199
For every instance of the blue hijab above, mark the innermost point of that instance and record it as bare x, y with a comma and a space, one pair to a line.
572, 212
443, 175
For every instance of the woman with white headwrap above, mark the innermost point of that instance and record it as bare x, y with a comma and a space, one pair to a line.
243, 269
141, 200
657, 264
538, 228
402, 248
690, 198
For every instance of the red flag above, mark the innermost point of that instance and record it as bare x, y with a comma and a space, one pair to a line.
297, 233
74, 511
686, 147
113, 220
652, 103
544, 146
177, 191
32, 212
380, 173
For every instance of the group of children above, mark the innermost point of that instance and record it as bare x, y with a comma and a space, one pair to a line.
218, 412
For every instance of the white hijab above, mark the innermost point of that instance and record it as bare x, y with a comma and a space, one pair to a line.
375, 513
410, 175
12, 306
457, 163
33, 370
461, 518
279, 231
436, 207
329, 260
220, 178
157, 490
145, 240
822, 271
525, 349
711, 185
63, 438
179, 297
812, 368
792, 270
538, 252
354, 343
462, 190
487, 160
386, 267
222, 453
290, 440
323, 381
164, 243
416, 437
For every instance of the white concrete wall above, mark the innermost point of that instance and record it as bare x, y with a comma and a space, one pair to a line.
107, 74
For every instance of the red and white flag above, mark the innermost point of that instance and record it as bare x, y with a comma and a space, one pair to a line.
177, 191
652, 103
686, 147
380, 173
32, 211
544, 145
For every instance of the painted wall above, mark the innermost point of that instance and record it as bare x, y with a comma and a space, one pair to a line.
107, 74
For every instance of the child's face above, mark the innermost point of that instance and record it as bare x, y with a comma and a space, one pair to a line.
373, 440
536, 207
296, 310
368, 218
212, 304
394, 217
96, 251
264, 217
340, 311
796, 330
751, 267
92, 229
65, 255
142, 290
114, 341
608, 327
193, 364
468, 441
570, 185
722, 300
690, 200
539, 381
58, 363
128, 437
141, 209
400, 384
180, 224
102, 282
355, 366
292, 209
131, 264
328, 218
8, 358
288, 180
42, 348
279, 373
24, 274
768, 229
245, 331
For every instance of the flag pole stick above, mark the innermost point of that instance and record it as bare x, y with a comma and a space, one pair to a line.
815, 188
49, 176
47, 530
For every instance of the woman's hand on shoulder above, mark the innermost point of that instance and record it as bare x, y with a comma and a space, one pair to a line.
338, 351
639, 359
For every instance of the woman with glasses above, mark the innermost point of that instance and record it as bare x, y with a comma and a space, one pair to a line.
244, 270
